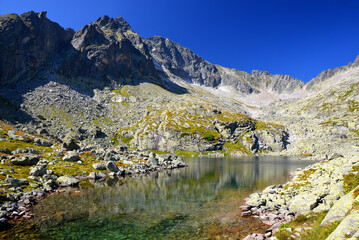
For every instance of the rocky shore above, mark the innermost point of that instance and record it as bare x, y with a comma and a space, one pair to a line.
29, 174
321, 199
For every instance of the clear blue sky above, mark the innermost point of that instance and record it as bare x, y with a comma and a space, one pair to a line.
296, 37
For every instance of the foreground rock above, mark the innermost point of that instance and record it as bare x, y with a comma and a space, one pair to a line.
68, 181
317, 188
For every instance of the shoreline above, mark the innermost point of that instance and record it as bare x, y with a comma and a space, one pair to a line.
313, 193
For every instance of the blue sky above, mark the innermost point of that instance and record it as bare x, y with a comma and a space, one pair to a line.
299, 38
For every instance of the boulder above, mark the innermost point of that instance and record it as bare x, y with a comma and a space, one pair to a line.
14, 182
67, 181
347, 228
303, 203
27, 160
50, 184
99, 166
71, 157
5, 150
94, 175
112, 167
38, 171
340, 209
178, 162
70, 145
42, 142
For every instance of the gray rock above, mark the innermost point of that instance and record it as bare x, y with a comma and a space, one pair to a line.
27, 160
71, 157
70, 145
112, 167
42, 142
67, 181
5, 150
94, 175
38, 171
99, 166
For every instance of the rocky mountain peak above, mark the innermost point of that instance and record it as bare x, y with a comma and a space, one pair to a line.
115, 24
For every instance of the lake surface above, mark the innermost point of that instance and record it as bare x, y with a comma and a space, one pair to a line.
197, 202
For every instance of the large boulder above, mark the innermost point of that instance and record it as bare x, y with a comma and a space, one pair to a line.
67, 181
303, 203
38, 171
27, 160
340, 209
99, 166
112, 167
70, 145
71, 157
347, 228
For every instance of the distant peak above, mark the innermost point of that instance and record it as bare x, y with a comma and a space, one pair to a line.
113, 23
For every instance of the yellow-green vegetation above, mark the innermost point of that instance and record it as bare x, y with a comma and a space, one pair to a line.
310, 227
237, 146
305, 174
15, 144
259, 125
351, 180
125, 139
159, 152
187, 153
74, 168
296, 185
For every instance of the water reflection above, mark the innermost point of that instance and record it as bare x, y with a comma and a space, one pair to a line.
161, 205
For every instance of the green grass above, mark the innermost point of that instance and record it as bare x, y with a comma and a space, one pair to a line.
158, 152
125, 139
187, 153
238, 146
313, 220
351, 180
15, 144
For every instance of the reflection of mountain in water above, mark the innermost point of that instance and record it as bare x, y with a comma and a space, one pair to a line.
181, 196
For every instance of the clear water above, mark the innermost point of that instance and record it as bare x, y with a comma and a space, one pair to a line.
183, 203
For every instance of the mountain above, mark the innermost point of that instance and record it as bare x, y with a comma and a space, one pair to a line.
151, 93
184, 64
148, 91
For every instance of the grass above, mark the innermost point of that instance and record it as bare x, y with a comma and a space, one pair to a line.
351, 180
15, 144
187, 153
238, 146
305, 174
159, 152
315, 232
124, 139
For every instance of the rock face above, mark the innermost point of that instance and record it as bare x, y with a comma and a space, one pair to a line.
28, 41
183, 63
326, 74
